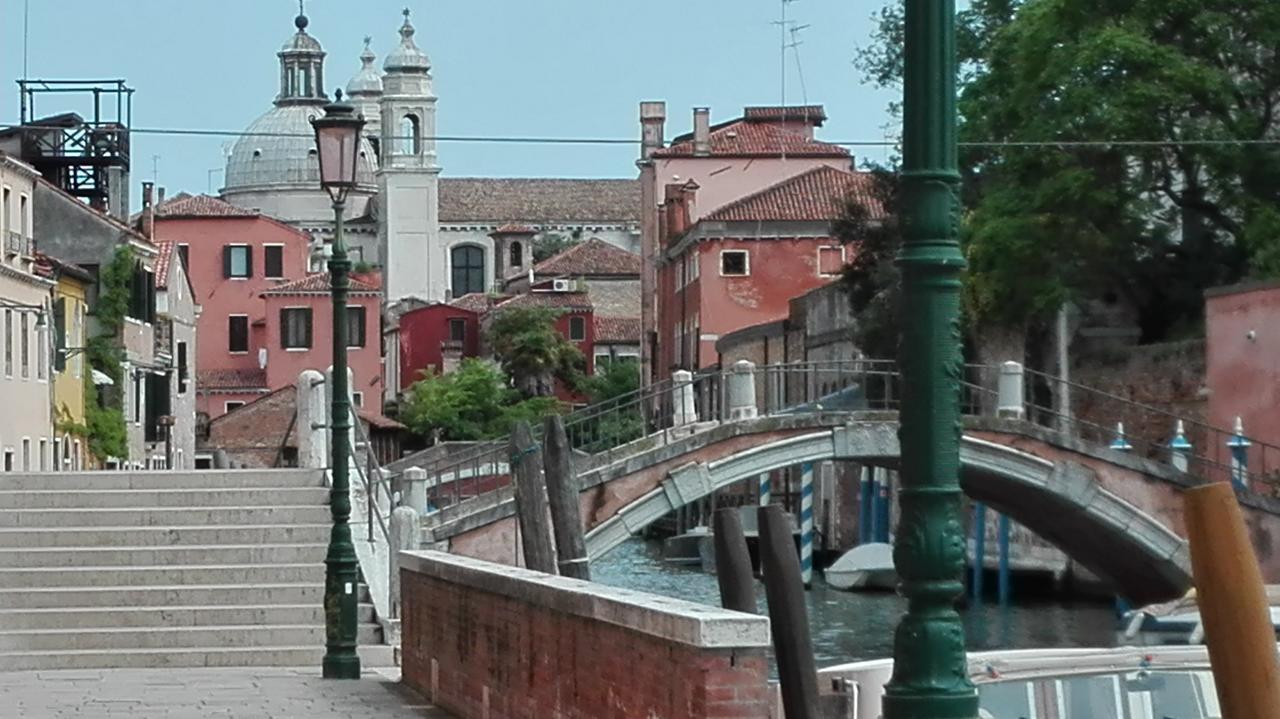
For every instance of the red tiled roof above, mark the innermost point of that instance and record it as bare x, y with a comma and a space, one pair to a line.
163, 261
318, 284
617, 330
813, 114
377, 420
52, 267
816, 195
538, 201
228, 379
593, 257
477, 302
750, 137
185, 205
515, 228
557, 300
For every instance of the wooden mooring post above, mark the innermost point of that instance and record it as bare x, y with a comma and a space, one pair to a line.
531, 500
733, 562
788, 618
562, 491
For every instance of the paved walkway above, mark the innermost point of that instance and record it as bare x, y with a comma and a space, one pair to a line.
200, 693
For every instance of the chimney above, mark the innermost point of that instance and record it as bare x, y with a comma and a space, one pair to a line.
653, 118
148, 228
701, 131
679, 205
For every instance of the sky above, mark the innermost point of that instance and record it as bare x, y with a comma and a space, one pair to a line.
559, 68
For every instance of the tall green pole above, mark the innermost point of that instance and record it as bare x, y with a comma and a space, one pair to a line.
930, 678
340, 579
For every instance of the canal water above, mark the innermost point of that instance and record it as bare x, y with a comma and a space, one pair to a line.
849, 626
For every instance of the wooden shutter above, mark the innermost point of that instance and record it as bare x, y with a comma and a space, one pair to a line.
248, 261
226, 261
60, 334
306, 314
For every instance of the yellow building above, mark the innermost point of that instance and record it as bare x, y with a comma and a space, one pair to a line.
71, 370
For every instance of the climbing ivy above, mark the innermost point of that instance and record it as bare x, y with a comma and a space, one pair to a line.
104, 414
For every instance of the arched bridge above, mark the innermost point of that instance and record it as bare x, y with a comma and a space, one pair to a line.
1116, 513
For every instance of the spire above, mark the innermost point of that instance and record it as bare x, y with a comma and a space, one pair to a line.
300, 22
407, 57
368, 81
301, 66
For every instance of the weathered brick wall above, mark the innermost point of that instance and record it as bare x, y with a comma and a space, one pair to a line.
484, 641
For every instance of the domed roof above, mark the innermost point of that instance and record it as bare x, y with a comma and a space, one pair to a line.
278, 150
301, 41
368, 81
407, 57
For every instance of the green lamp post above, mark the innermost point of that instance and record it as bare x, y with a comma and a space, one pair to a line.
338, 144
930, 678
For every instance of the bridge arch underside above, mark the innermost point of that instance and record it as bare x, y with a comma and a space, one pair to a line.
1061, 502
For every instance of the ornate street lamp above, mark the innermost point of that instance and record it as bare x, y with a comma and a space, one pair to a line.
338, 146
930, 677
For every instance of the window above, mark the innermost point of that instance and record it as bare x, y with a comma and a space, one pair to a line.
517, 254
43, 457
8, 460
355, 326
42, 351
830, 261
8, 343
157, 405
137, 397
273, 261
142, 299
24, 345
357, 399
468, 270
182, 367
457, 329
295, 328
237, 261
184, 252
238, 333
577, 329
733, 263
409, 138
23, 228
26, 455
232, 405
6, 212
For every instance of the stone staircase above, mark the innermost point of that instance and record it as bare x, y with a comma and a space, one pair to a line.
167, 569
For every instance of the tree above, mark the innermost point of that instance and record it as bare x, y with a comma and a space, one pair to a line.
614, 415
532, 351
871, 279
471, 403
550, 244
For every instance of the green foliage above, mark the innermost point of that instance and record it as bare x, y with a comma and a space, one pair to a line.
115, 281
532, 351
871, 279
104, 426
613, 379
550, 244
615, 417
363, 268
472, 403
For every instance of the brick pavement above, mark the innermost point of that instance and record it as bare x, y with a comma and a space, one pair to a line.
256, 693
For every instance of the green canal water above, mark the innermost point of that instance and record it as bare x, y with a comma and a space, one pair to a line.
849, 626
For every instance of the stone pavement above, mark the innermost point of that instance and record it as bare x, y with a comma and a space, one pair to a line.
254, 693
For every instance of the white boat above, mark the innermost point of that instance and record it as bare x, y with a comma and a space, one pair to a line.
1122, 683
866, 566
1178, 622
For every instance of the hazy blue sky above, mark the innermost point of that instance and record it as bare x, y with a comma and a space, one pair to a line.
502, 67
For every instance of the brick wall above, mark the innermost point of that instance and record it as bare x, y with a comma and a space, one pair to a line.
495, 642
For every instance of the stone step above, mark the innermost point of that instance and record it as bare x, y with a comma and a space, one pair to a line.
152, 618
82, 577
299, 656
137, 517
211, 480
164, 595
264, 554
188, 498
158, 536
224, 637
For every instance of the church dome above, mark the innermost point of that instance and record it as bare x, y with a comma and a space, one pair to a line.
407, 57
278, 150
368, 81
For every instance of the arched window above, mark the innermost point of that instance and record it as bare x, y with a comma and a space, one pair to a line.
468, 269
409, 137
517, 254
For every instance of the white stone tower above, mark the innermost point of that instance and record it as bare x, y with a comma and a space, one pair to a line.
365, 93
408, 177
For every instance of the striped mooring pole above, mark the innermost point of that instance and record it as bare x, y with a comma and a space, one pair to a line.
766, 492
806, 523
865, 495
1180, 449
1239, 446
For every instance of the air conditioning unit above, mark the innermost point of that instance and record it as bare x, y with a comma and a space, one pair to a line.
562, 285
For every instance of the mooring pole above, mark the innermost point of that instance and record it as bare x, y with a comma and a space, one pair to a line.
806, 524
531, 500
562, 492
733, 562
788, 619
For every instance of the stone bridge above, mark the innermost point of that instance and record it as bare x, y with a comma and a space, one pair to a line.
1117, 514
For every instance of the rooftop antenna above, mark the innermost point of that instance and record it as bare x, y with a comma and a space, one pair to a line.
26, 34
155, 169
783, 24
795, 50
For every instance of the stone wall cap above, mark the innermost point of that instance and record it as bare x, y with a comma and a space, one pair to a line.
697, 625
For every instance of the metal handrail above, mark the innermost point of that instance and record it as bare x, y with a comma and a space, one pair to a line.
371, 485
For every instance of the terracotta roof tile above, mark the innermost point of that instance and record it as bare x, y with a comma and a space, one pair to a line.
538, 201
228, 379
163, 260
816, 195
185, 205
477, 302
752, 138
813, 114
559, 300
515, 228
617, 330
377, 420
318, 283
592, 257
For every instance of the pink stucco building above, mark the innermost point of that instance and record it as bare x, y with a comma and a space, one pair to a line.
1242, 348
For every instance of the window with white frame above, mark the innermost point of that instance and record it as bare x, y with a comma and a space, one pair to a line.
830, 261
295, 328
43, 458
734, 263
26, 454
273, 261
577, 329
231, 404
357, 399
24, 344
8, 343
42, 351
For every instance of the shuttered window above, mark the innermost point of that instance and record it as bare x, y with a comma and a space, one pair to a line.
295, 328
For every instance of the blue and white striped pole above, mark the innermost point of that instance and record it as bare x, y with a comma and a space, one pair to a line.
1180, 449
1002, 580
1120, 444
1239, 446
865, 498
884, 495
806, 523
766, 491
